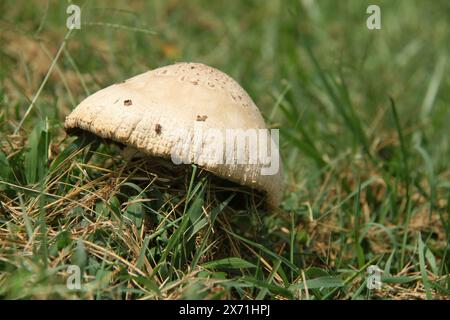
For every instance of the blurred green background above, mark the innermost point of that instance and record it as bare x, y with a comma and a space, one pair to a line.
366, 177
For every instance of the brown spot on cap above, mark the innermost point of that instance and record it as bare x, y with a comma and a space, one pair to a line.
158, 129
201, 118
127, 102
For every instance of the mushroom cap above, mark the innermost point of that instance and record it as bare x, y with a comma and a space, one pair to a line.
148, 112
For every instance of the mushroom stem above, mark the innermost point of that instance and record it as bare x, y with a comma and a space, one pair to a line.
129, 153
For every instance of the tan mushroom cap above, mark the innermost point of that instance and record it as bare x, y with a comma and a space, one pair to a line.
147, 112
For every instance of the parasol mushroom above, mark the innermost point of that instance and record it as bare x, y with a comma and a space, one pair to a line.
179, 112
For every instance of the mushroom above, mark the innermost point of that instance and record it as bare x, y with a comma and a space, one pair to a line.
185, 112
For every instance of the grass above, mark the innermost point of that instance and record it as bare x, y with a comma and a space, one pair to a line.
363, 117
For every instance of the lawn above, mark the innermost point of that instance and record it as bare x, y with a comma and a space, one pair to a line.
364, 137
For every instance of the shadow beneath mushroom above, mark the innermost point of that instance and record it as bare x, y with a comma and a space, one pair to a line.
175, 176
154, 195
